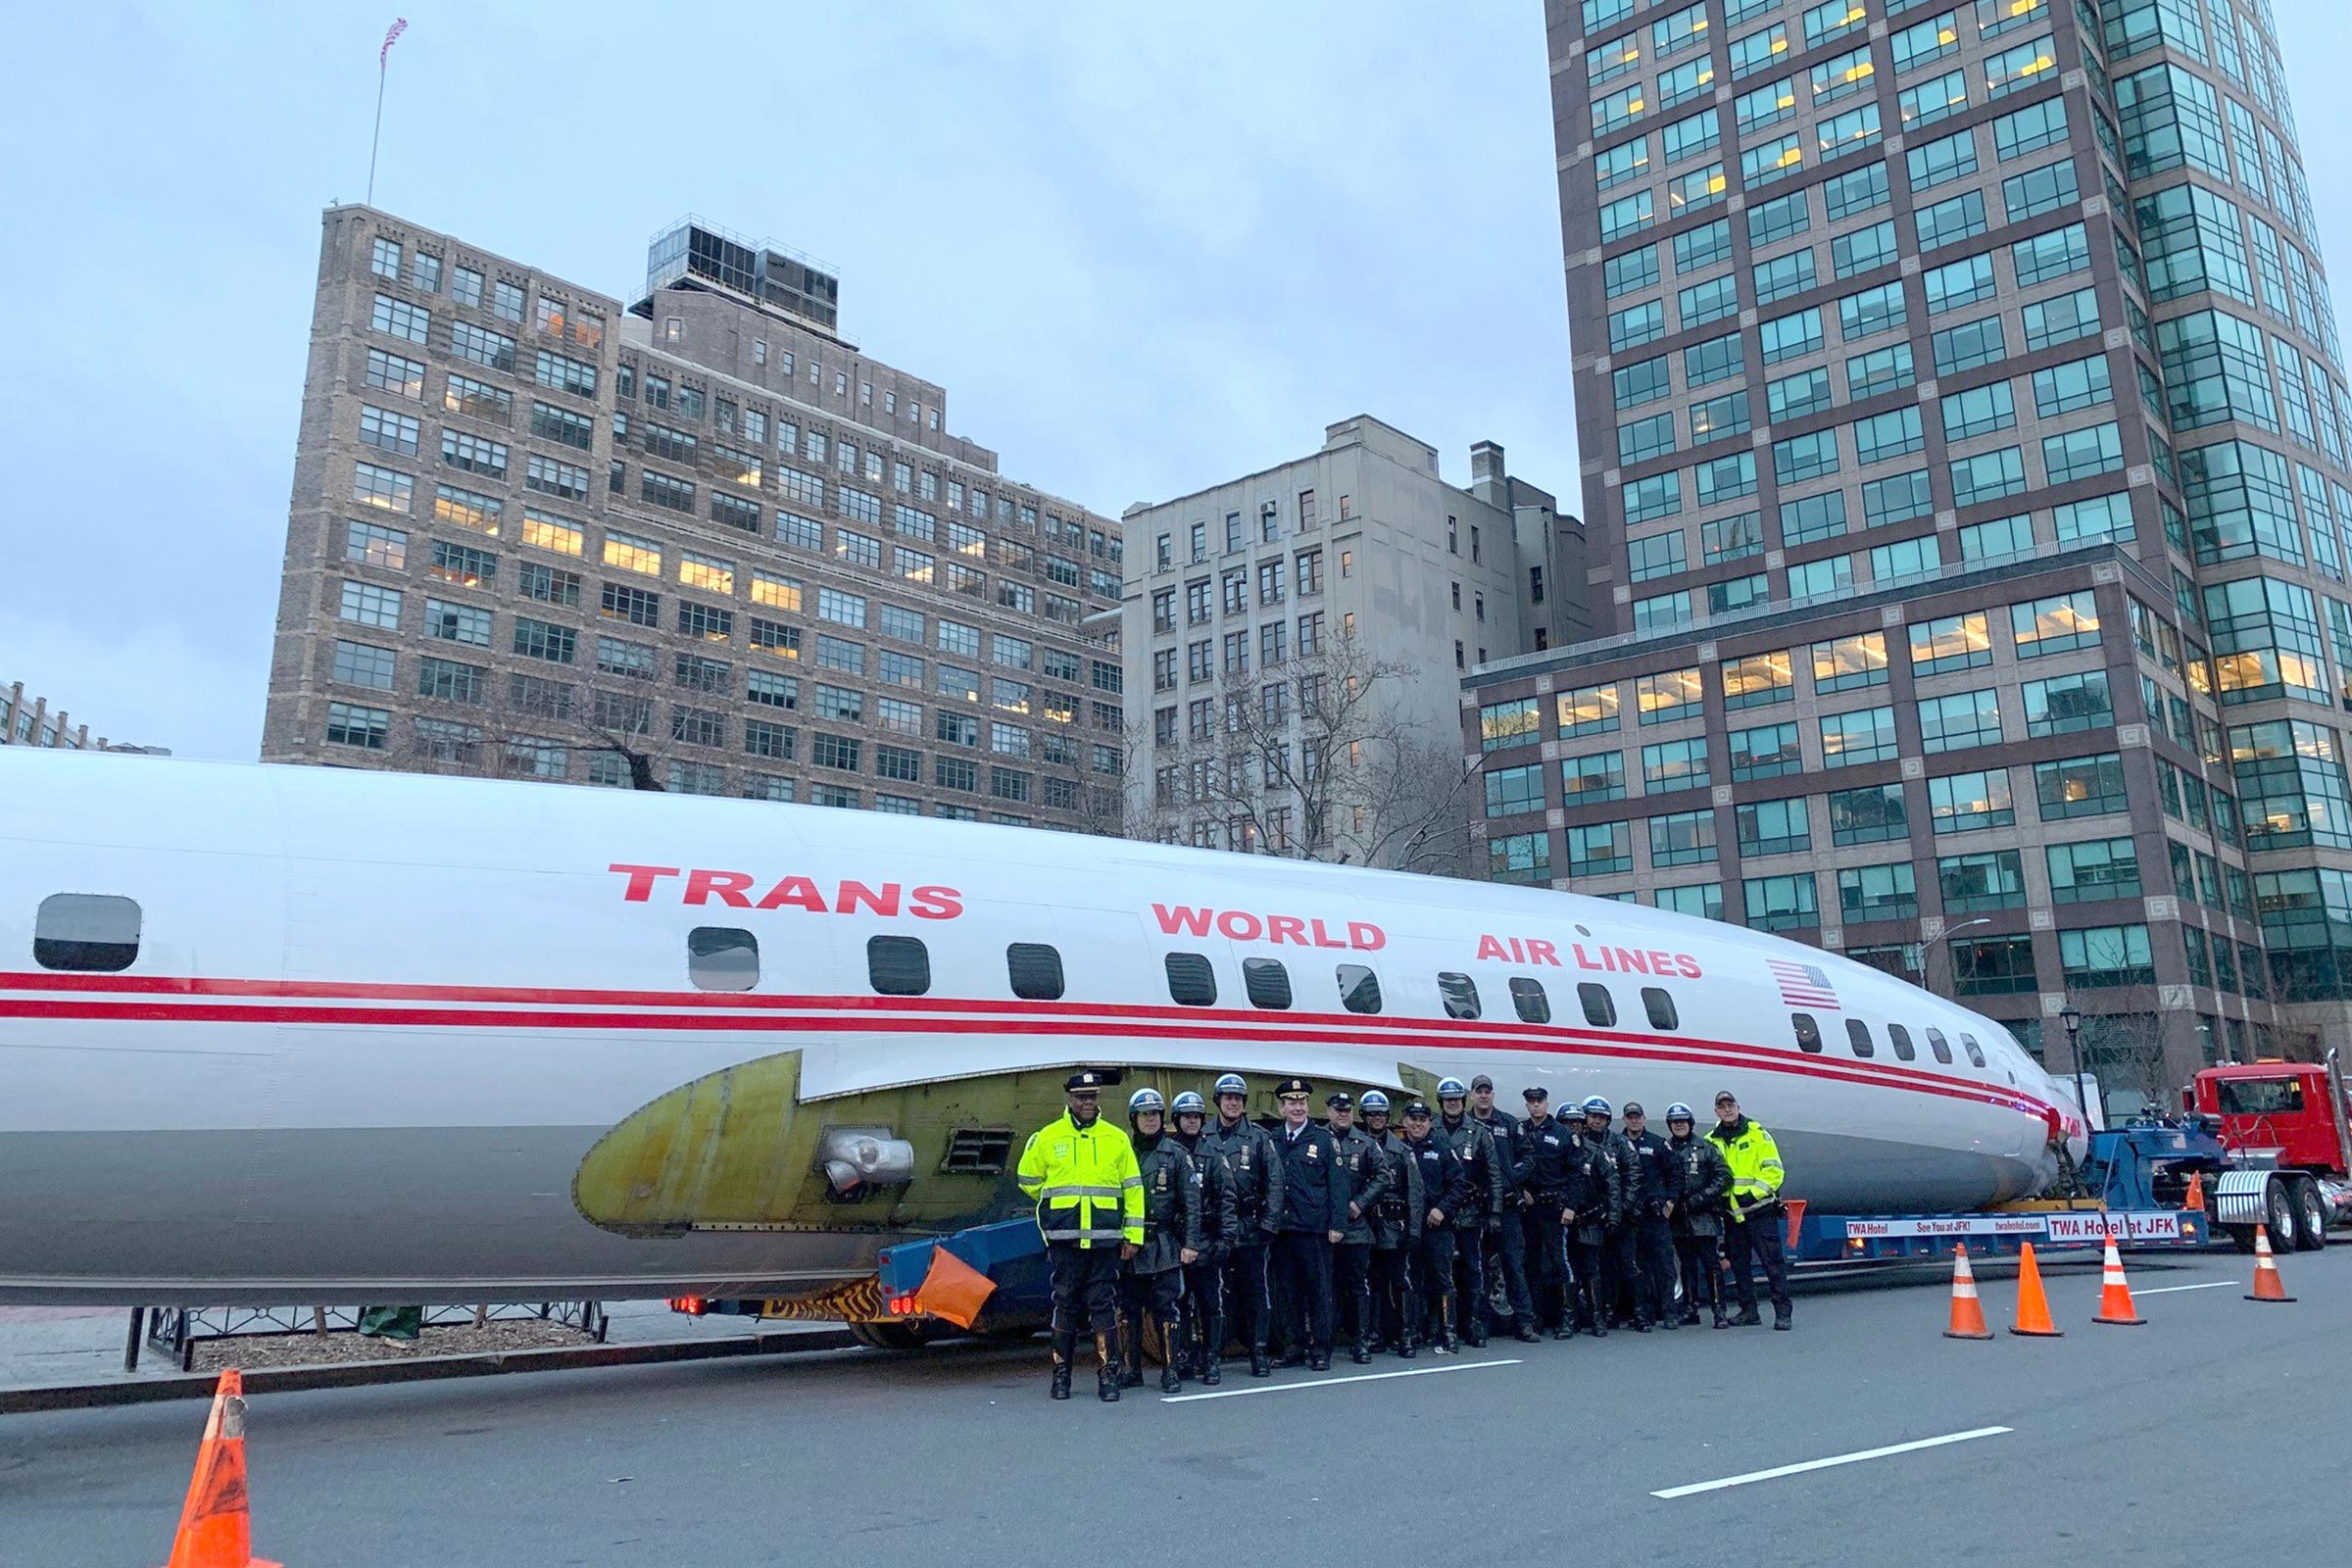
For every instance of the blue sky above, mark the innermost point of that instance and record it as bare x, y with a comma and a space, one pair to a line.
1144, 250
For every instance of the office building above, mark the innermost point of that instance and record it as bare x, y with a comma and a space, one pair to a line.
1302, 630
699, 542
1964, 432
28, 720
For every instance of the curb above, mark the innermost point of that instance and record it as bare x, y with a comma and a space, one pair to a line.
422, 1369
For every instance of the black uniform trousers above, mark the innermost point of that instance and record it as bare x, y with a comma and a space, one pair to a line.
1469, 1279
1654, 1249
1548, 1276
1086, 1283
1302, 1264
1702, 1274
1203, 1309
1396, 1299
1352, 1312
1585, 1307
1620, 1275
1506, 1265
1754, 1241
1162, 1296
1429, 1310
1248, 1309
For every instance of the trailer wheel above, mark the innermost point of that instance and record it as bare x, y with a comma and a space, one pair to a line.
2311, 1217
2278, 1206
887, 1335
2242, 1237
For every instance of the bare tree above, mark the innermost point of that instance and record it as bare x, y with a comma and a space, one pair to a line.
507, 724
1314, 758
2133, 1052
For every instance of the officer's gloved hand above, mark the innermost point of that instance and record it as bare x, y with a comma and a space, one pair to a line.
1494, 1223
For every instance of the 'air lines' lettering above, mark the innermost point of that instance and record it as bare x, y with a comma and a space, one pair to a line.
1240, 925
735, 890
1612, 960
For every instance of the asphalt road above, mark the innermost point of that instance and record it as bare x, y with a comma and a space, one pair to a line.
2221, 1427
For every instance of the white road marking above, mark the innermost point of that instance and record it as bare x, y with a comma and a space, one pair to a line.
1333, 1383
2167, 1290
1778, 1471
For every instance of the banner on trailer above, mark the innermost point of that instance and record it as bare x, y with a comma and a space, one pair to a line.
2147, 1225
1915, 1225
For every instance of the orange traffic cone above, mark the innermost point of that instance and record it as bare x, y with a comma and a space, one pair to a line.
216, 1525
2268, 1285
1968, 1313
2033, 1307
2115, 1296
2194, 1197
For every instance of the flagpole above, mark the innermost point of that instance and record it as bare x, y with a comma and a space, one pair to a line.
382, 69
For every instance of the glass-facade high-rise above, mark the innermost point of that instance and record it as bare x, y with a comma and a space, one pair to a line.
1965, 436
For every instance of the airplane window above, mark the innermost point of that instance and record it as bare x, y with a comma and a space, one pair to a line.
721, 958
1035, 969
92, 932
1900, 1038
1600, 1008
1359, 989
1941, 1047
1191, 981
1857, 1035
1660, 1007
1975, 1052
1528, 996
1808, 1033
1269, 983
898, 966
1461, 996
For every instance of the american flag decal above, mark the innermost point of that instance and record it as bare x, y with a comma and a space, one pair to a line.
1803, 985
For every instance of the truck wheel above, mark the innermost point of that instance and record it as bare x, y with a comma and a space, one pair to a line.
887, 1335
2279, 1209
2311, 1217
2242, 1237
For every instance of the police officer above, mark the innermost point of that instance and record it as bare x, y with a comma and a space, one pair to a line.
1365, 1177
1548, 1149
1314, 1220
1595, 1199
1652, 1223
1203, 1300
1080, 1172
1506, 1230
1396, 1230
1474, 1147
1698, 1214
1153, 1280
1249, 1156
1753, 1233
1613, 1288
1445, 1189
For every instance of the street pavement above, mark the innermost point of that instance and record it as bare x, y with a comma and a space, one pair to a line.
2220, 1428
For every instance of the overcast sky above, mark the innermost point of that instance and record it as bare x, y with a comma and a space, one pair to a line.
1144, 248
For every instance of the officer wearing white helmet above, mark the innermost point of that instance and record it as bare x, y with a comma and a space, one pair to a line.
1615, 1291
1247, 1152
1153, 1280
1203, 1283
1698, 1216
1396, 1228
1474, 1147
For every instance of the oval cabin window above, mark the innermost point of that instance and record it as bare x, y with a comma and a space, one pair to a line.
721, 958
93, 933
1269, 983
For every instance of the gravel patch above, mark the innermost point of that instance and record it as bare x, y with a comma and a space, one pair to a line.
314, 1350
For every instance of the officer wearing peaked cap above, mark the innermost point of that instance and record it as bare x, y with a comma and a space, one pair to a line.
1080, 1172
1313, 1219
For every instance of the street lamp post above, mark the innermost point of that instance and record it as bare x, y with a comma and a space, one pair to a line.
2072, 1016
1944, 938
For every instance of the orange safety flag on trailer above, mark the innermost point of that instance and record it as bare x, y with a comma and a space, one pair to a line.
953, 1290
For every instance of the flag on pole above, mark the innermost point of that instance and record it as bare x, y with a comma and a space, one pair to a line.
400, 24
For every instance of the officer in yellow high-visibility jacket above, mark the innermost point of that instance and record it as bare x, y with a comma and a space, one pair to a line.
1753, 1233
1080, 1172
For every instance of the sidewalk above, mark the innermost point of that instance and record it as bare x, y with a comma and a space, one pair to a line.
81, 1346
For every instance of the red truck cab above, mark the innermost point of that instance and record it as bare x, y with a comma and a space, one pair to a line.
2283, 1105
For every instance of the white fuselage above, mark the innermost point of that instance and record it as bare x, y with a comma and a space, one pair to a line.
376, 1021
